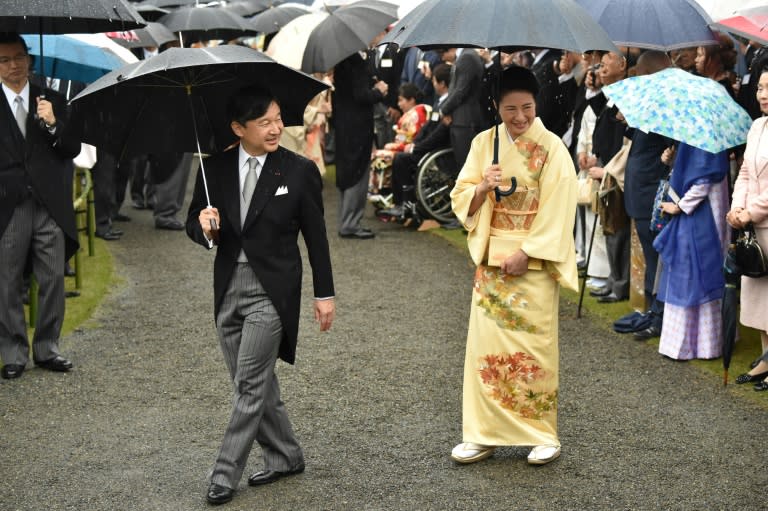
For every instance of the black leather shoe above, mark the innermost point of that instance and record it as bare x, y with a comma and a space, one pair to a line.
270, 476
109, 235
602, 291
760, 386
58, 364
218, 494
12, 371
749, 378
610, 298
119, 217
648, 333
170, 225
362, 234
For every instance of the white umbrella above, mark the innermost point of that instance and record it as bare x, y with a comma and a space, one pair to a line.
287, 46
720, 9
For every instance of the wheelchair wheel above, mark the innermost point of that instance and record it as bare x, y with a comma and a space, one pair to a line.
436, 177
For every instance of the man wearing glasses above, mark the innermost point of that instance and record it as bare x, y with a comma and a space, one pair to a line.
37, 222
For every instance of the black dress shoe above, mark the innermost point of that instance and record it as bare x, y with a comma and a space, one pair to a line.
648, 333
121, 218
170, 225
749, 378
601, 291
270, 476
109, 235
12, 371
218, 494
57, 363
362, 234
760, 386
610, 298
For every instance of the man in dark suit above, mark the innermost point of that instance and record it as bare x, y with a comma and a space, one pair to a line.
264, 195
356, 92
36, 214
551, 102
462, 109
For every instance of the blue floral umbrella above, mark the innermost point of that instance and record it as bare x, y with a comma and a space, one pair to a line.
691, 109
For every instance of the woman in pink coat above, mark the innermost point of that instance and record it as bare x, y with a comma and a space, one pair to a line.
750, 205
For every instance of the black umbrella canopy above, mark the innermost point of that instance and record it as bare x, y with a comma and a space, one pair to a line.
346, 30
206, 23
501, 24
168, 102
273, 19
151, 12
251, 7
67, 16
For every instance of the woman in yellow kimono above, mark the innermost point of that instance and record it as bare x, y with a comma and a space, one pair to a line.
524, 251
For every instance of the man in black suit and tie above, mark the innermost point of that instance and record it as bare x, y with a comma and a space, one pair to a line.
36, 213
462, 110
264, 195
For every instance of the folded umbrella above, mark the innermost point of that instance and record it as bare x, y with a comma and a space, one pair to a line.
79, 57
679, 105
729, 308
346, 30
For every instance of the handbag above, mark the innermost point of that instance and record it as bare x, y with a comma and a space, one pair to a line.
749, 255
586, 188
664, 193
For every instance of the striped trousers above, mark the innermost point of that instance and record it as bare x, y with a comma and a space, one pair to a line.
250, 331
31, 231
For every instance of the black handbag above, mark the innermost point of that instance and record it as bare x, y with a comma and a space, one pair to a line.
749, 255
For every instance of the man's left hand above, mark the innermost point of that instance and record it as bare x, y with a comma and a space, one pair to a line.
325, 311
45, 111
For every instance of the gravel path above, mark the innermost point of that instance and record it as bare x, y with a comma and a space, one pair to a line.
376, 402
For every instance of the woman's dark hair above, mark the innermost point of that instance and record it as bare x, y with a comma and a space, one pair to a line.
249, 103
518, 78
722, 53
409, 91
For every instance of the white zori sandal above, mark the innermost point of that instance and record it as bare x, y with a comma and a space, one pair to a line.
468, 452
543, 454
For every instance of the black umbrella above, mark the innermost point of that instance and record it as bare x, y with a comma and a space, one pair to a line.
729, 308
346, 30
251, 7
273, 19
176, 101
154, 34
500, 24
206, 23
150, 12
60, 17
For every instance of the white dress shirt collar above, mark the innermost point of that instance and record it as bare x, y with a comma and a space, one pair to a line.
11, 97
243, 165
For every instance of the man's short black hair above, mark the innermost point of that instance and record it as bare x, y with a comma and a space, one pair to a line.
249, 103
442, 74
13, 38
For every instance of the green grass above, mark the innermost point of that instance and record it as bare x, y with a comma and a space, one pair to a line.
98, 274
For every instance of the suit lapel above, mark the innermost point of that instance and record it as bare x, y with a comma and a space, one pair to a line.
229, 177
269, 180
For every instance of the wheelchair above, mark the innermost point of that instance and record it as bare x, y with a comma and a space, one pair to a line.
434, 181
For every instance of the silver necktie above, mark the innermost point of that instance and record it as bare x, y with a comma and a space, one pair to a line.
250, 179
21, 115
